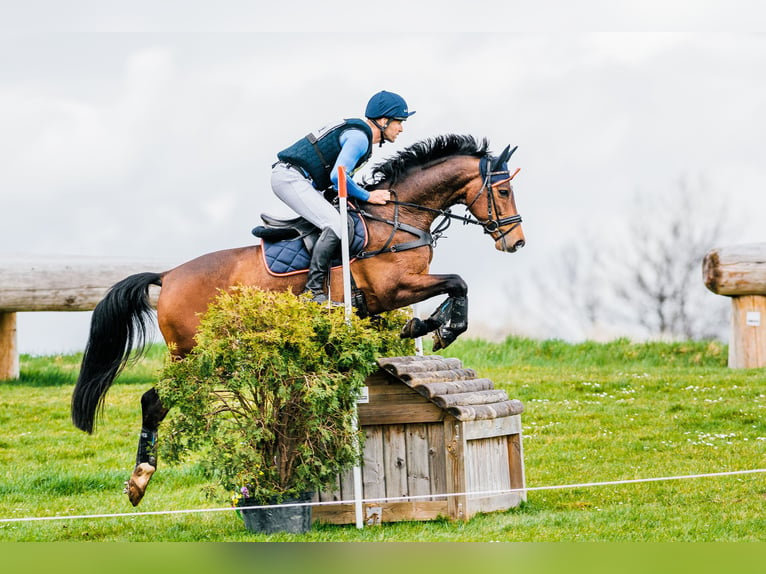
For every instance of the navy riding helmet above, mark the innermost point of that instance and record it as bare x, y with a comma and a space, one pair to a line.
387, 105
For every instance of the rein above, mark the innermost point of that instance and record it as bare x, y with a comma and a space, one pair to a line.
491, 225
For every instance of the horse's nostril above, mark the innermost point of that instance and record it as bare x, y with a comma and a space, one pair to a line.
519, 244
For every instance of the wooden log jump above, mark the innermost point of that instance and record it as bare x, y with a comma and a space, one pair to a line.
432, 429
739, 272
55, 283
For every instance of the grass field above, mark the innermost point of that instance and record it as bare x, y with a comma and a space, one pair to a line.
594, 413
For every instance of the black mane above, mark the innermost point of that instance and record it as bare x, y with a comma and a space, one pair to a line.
426, 151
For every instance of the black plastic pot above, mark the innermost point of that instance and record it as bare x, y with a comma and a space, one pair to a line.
282, 518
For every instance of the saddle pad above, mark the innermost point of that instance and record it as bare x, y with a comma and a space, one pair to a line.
290, 256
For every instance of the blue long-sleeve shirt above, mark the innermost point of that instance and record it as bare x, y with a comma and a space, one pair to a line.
354, 145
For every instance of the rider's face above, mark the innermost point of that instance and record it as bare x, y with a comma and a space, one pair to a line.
392, 131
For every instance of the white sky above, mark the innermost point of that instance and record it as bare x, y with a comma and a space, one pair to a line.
148, 129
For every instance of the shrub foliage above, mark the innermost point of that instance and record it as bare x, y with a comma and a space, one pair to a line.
267, 398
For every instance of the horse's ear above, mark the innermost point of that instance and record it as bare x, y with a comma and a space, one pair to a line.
503, 157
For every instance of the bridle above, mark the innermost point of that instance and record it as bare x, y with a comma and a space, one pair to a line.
491, 178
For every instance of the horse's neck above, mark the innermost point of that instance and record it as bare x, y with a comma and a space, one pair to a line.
438, 187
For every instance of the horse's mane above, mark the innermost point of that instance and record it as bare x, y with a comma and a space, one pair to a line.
426, 151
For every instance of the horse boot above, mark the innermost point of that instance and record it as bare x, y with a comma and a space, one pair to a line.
321, 257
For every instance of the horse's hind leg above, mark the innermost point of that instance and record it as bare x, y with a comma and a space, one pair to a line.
152, 414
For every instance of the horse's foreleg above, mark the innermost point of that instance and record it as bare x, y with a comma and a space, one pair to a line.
457, 324
152, 414
448, 322
451, 317
416, 327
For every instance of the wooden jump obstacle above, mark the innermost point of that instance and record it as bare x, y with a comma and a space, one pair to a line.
739, 272
431, 428
55, 283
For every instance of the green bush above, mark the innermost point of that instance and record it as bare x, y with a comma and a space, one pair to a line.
266, 399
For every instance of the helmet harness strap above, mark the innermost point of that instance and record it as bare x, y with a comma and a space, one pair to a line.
382, 129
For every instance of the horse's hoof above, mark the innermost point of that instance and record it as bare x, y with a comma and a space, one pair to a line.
443, 338
135, 487
135, 494
413, 328
438, 343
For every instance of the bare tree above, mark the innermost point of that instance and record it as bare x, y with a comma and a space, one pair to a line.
569, 292
647, 282
655, 275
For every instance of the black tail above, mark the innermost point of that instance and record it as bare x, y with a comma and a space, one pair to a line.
120, 322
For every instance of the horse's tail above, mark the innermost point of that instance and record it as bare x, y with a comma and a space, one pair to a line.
120, 321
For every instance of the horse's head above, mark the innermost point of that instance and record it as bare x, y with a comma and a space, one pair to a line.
494, 204
432, 175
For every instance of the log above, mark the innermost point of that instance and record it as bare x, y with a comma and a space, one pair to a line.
736, 270
57, 283
491, 411
417, 378
488, 397
31, 283
739, 272
435, 389
428, 363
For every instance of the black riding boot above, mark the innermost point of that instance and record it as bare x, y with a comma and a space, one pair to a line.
321, 256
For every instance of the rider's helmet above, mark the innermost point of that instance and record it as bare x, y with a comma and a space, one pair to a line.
387, 105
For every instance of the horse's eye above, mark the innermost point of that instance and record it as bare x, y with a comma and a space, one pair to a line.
504, 192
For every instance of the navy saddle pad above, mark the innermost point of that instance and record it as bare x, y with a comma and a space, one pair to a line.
290, 256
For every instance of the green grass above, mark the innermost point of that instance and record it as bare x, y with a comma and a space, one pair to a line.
593, 413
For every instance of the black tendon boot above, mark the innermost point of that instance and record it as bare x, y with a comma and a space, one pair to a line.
147, 447
321, 256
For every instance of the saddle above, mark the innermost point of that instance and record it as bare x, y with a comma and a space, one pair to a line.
287, 243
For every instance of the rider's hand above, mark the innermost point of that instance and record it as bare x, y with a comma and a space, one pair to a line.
379, 196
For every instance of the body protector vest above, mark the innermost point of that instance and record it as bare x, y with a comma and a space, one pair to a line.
317, 152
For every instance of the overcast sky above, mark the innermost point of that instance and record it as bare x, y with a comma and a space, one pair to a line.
149, 131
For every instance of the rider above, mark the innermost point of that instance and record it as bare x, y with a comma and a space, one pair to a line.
310, 166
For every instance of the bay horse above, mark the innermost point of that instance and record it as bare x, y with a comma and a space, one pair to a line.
424, 180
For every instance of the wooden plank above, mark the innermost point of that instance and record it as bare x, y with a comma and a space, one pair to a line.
371, 415
488, 428
332, 494
493, 503
395, 395
437, 462
389, 512
516, 463
9, 355
486, 462
347, 485
736, 270
747, 343
379, 377
395, 460
418, 478
373, 476
395, 392
417, 510
455, 444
